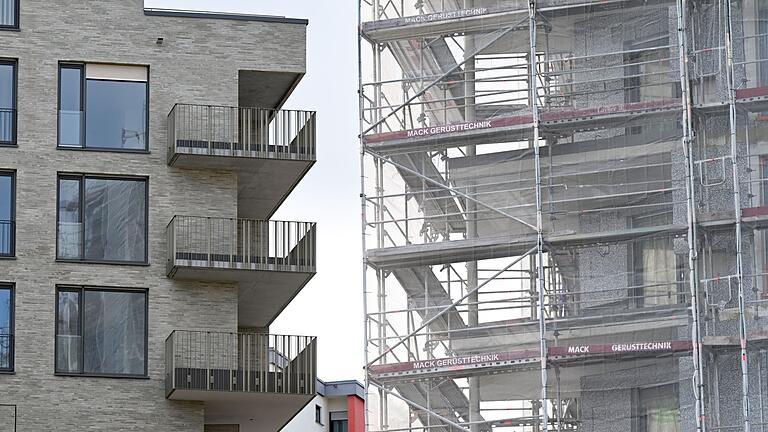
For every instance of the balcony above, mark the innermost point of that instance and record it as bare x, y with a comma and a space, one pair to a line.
271, 260
261, 376
271, 150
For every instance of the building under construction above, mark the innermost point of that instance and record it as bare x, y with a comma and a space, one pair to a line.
564, 205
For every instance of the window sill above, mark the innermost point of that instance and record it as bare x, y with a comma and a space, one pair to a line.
10, 29
103, 150
10, 258
7, 372
84, 375
9, 145
117, 263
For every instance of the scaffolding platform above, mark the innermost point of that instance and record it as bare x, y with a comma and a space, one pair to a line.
525, 360
481, 18
517, 127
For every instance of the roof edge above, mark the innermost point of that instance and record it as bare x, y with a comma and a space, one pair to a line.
340, 388
223, 15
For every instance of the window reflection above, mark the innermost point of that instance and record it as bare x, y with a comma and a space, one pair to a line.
101, 331
102, 219
116, 114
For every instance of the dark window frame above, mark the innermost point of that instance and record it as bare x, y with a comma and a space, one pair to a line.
16, 18
81, 289
319, 414
14, 63
83, 105
12, 325
82, 177
12, 175
81, 68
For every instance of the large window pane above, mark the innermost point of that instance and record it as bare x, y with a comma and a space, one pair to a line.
102, 219
7, 230
70, 223
115, 220
7, 102
6, 328
114, 332
68, 332
70, 106
116, 114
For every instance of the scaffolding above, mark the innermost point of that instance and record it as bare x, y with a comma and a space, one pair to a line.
563, 214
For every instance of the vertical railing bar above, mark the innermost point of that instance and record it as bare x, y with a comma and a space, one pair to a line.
207, 362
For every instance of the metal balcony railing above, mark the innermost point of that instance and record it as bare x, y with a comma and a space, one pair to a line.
240, 362
7, 125
241, 132
7, 238
242, 244
6, 351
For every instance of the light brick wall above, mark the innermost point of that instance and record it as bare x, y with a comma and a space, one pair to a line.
198, 63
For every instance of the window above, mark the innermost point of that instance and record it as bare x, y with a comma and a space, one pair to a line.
7, 214
103, 106
655, 266
7, 100
102, 219
658, 409
9, 14
318, 414
6, 327
101, 331
339, 422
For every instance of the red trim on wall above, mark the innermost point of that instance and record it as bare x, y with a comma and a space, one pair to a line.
355, 414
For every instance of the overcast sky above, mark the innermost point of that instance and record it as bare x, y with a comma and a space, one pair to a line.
330, 306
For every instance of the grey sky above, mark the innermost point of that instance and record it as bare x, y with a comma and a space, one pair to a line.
330, 305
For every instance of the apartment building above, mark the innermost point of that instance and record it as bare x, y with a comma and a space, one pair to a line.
565, 206
143, 153
338, 407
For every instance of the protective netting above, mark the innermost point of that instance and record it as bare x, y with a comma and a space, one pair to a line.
564, 211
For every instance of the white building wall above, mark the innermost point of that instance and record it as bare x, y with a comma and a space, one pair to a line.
304, 421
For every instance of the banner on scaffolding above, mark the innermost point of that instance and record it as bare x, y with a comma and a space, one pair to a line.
476, 361
435, 17
525, 119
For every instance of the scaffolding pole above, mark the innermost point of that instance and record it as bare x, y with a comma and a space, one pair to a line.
698, 378
534, 97
363, 216
737, 214
472, 274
